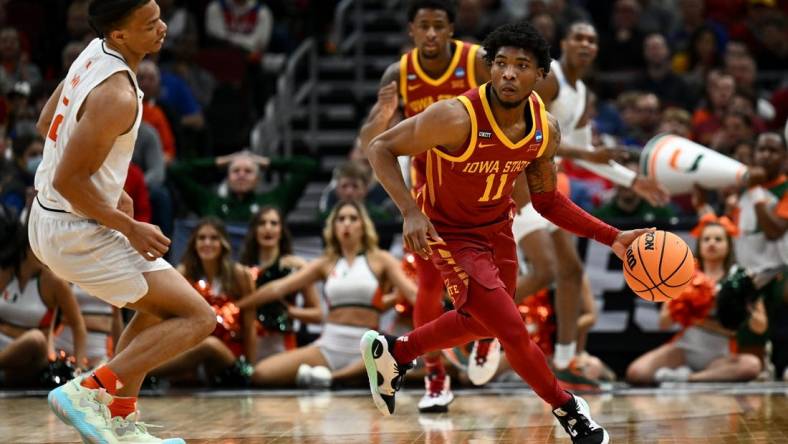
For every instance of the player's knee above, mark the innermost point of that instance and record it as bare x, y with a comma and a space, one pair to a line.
204, 321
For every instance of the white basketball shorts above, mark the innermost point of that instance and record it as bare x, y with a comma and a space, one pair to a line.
97, 258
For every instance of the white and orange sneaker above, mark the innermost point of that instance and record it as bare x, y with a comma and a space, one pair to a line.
483, 361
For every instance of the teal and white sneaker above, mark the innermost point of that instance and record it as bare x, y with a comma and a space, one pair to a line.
84, 409
131, 430
384, 373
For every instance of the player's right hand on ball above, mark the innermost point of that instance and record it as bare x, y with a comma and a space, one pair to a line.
148, 240
418, 232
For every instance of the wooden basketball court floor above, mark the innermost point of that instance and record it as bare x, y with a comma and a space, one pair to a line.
711, 413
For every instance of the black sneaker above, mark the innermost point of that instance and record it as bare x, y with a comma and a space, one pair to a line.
384, 373
575, 418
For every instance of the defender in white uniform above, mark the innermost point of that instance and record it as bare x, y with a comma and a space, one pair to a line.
81, 224
551, 251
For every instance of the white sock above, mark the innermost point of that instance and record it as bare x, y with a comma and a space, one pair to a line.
564, 354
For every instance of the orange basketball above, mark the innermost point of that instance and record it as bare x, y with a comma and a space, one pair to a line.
658, 265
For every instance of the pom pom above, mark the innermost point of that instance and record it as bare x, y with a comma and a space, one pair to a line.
695, 302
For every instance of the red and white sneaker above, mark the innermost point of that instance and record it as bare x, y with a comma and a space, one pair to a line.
438, 394
483, 361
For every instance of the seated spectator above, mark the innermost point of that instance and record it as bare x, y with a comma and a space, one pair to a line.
136, 189
737, 127
649, 111
676, 121
201, 83
149, 156
625, 203
707, 118
703, 55
658, 77
351, 182
243, 23
32, 295
16, 183
268, 250
621, 47
207, 264
180, 22
103, 324
353, 270
241, 200
22, 114
152, 113
700, 352
15, 65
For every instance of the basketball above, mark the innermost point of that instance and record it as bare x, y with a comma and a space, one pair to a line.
658, 265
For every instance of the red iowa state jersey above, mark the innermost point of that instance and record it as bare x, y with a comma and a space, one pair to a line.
418, 90
473, 187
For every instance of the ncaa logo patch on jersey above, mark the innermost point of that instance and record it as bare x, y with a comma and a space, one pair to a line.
411, 76
538, 136
459, 72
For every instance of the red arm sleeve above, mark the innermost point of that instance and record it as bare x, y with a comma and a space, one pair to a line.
561, 211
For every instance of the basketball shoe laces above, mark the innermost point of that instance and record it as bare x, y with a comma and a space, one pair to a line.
482, 349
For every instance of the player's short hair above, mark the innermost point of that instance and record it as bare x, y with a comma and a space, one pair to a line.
518, 35
442, 5
580, 22
106, 15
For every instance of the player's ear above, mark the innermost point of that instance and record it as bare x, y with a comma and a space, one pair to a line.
540, 73
118, 35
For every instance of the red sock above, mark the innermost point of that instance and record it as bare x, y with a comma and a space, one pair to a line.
434, 365
103, 377
122, 407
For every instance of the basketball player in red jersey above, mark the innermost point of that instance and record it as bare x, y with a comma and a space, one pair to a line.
438, 68
476, 148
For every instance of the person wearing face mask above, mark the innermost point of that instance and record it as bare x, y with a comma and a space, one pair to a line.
16, 183
241, 200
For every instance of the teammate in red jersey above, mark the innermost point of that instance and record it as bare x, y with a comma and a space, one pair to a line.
478, 146
438, 68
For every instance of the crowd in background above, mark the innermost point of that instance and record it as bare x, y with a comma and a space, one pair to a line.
712, 71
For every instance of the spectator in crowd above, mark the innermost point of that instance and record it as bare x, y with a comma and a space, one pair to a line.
152, 113
77, 23
32, 294
207, 264
240, 200
353, 270
352, 182
22, 115
676, 121
737, 127
565, 13
180, 23
658, 77
649, 112
707, 118
546, 26
14, 64
246, 24
16, 181
700, 352
703, 55
200, 82
136, 189
149, 156
625, 203
744, 71
621, 47
268, 250
693, 16
656, 17
773, 51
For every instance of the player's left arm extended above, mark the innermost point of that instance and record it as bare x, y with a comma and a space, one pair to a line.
773, 221
557, 208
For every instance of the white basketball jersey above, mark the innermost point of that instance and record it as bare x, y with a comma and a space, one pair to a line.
93, 66
568, 108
